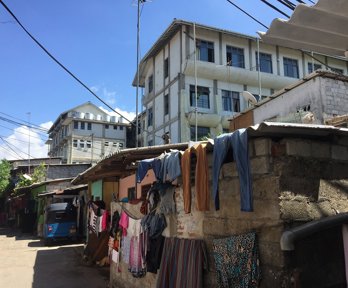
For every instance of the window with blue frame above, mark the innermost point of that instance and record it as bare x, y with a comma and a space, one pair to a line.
235, 56
265, 62
205, 50
203, 100
290, 67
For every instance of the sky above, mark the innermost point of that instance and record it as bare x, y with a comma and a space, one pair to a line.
95, 40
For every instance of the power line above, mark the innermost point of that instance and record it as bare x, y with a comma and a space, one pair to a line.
304, 52
9, 151
23, 133
8, 145
31, 124
20, 124
60, 64
247, 14
275, 8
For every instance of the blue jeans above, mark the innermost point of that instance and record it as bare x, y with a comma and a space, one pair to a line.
238, 143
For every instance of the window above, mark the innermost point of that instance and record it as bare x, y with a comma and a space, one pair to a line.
166, 68
230, 101
166, 104
121, 127
89, 144
106, 143
76, 125
337, 70
150, 143
201, 132
312, 67
149, 117
202, 98
115, 127
290, 67
89, 126
150, 83
265, 62
74, 143
82, 125
106, 126
235, 56
82, 144
205, 50
131, 194
120, 144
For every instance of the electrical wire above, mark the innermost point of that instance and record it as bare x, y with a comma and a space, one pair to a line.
287, 4
32, 136
31, 124
275, 8
67, 70
304, 52
9, 151
247, 13
61, 65
8, 145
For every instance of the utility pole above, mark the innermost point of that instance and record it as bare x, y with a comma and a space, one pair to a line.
138, 77
29, 114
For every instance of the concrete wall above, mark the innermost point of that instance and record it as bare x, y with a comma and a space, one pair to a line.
326, 98
294, 181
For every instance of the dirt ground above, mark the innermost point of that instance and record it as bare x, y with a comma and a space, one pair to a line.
26, 262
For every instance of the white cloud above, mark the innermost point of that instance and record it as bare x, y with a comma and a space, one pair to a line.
108, 96
16, 146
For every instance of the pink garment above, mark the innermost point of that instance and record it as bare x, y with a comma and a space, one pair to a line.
105, 220
124, 219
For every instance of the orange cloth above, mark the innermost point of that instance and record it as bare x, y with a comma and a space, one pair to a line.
201, 178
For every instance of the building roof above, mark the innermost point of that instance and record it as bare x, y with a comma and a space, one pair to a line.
321, 28
34, 185
63, 114
315, 74
172, 29
123, 163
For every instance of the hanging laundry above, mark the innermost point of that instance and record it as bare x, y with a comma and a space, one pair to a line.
154, 254
171, 166
238, 143
125, 249
153, 163
182, 263
124, 223
237, 261
167, 204
201, 178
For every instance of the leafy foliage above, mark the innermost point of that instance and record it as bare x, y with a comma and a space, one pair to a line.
38, 176
5, 168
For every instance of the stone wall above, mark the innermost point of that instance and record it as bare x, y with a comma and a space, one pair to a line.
294, 181
336, 94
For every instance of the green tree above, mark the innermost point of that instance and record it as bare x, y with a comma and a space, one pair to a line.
5, 168
39, 175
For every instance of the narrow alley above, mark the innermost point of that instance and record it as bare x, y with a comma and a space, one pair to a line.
26, 262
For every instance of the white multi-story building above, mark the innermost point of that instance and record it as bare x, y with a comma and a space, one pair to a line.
85, 134
225, 66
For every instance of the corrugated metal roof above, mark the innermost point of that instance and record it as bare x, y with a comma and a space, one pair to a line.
321, 28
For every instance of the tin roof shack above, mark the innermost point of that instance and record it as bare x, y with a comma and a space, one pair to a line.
104, 183
300, 189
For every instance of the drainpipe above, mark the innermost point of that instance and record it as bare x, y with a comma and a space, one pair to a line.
289, 237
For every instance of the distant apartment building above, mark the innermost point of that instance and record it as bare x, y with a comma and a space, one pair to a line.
226, 65
85, 134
